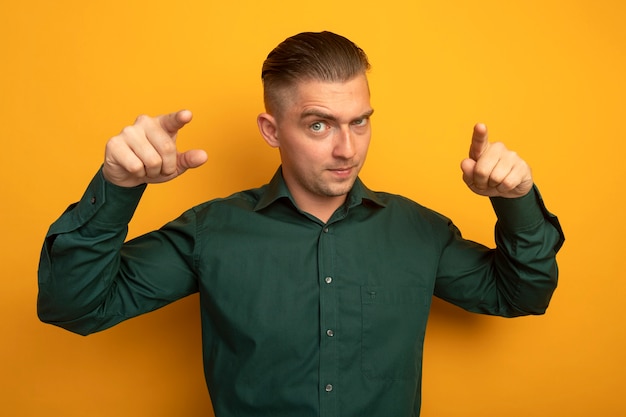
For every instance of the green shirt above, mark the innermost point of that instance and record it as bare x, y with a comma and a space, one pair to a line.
299, 318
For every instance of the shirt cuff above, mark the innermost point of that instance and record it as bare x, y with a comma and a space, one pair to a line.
103, 203
522, 213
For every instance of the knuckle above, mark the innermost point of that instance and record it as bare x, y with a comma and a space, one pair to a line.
127, 132
136, 168
167, 171
168, 147
152, 161
508, 183
114, 145
481, 172
141, 119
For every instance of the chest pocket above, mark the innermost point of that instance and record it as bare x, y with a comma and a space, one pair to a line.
393, 326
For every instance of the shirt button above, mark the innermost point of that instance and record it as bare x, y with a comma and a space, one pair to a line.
328, 280
330, 333
329, 388
326, 230
93, 200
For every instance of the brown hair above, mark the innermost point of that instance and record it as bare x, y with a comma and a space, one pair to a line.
320, 56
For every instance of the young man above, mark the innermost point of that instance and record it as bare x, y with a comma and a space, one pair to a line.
314, 290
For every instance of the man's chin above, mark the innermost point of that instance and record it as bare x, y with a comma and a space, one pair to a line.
339, 189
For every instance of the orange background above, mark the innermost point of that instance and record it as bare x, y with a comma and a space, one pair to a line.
547, 76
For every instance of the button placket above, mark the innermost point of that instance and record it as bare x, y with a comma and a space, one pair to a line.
328, 321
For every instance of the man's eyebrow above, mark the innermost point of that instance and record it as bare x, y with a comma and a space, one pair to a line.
317, 113
327, 116
367, 114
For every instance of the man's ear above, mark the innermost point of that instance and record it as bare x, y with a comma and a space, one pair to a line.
269, 129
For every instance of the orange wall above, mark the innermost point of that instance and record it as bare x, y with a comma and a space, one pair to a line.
547, 76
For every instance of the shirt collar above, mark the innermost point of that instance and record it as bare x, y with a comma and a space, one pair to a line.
277, 189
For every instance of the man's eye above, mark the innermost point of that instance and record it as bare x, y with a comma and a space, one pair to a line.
360, 122
318, 126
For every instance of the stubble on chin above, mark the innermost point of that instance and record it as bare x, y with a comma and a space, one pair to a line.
334, 188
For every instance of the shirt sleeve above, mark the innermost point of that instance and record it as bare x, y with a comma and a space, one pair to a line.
90, 279
516, 278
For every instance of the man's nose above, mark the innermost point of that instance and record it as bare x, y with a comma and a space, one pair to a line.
344, 146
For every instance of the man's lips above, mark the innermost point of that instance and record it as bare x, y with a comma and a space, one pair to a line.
342, 171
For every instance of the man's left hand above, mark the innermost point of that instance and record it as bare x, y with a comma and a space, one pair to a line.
492, 170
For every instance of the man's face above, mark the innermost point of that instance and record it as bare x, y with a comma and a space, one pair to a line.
323, 133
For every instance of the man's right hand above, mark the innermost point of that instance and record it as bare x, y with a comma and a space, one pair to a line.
146, 151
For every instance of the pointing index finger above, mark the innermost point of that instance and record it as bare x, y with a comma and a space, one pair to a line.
480, 141
173, 122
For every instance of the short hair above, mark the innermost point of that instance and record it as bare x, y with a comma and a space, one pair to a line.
319, 56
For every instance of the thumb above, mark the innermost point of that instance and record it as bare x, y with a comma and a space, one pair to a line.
480, 141
191, 159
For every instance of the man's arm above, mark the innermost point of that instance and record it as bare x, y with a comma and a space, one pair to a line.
89, 279
520, 275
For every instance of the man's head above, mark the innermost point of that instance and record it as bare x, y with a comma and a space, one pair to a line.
318, 116
309, 56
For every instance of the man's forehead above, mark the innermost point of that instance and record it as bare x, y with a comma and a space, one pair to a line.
290, 99
309, 95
